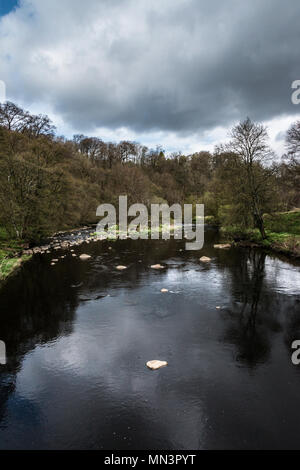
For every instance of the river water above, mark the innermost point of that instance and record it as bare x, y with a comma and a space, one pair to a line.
78, 335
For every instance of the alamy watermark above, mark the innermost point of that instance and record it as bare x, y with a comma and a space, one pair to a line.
296, 94
134, 222
2, 353
2, 91
296, 354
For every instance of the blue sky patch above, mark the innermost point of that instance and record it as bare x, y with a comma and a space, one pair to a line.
6, 6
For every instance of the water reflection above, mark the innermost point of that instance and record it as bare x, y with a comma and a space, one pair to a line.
78, 336
244, 328
257, 311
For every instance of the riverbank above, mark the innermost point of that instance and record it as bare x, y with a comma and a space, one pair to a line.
283, 236
13, 252
11, 255
282, 229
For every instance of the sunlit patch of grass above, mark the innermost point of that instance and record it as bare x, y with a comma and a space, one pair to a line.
9, 254
283, 222
284, 241
7, 266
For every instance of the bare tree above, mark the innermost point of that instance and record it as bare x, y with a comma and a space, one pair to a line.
293, 140
249, 141
39, 125
290, 167
14, 118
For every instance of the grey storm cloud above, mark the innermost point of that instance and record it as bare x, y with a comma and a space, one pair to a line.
170, 65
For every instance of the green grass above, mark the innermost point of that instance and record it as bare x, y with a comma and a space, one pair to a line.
9, 258
282, 230
7, 266
283, 222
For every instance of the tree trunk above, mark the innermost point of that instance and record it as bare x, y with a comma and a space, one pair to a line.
261, 226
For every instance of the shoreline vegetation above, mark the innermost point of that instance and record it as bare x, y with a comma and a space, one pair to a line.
11, 255
282, 234
282, 230
49, 184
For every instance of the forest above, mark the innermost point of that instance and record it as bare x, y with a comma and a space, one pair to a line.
49, 183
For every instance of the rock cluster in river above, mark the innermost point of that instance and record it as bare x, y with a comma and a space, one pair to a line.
56, 244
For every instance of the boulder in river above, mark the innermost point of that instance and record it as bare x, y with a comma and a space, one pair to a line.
223, 246
156, 364
164, 290
157, 266
84, 257
121, 268
205, 259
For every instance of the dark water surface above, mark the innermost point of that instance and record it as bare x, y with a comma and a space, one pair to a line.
78, 336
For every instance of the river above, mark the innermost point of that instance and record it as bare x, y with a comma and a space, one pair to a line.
78, 335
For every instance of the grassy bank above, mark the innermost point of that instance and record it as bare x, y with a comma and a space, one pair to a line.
10, 258
282, 229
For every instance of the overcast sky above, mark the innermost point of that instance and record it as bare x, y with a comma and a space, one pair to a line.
173, 72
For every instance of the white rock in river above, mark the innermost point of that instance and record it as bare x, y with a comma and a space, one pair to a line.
121, 268
157, 266
84, 257
164, 290
156, 364
205, 259
223, 246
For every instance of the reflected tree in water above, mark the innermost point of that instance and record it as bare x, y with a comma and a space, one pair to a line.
248, 325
